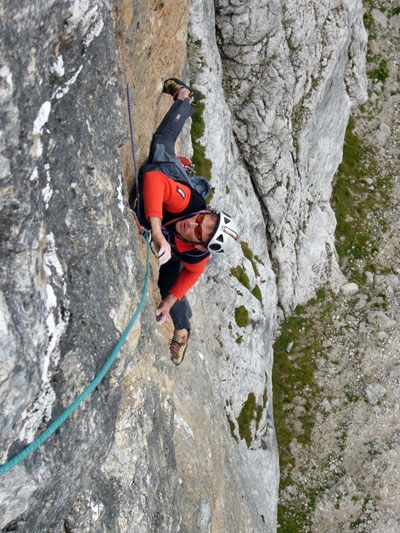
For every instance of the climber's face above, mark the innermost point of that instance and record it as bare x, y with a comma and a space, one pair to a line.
197, 229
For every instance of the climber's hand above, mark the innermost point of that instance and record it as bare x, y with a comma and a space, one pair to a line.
164, 308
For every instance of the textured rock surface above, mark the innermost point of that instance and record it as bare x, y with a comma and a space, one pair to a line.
151, 46
291, 73
67, 249
157, 448
151, 448
354, 448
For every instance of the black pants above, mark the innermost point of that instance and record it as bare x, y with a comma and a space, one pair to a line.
171, 126
166, 135
181, 312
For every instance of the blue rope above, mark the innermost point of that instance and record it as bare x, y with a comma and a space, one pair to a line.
146, 235
69, 410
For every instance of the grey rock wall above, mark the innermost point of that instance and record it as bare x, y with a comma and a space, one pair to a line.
158, 448
291, 73
152, 448
67, 252
244, 365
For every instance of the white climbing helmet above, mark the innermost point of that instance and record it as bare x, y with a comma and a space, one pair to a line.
225, 235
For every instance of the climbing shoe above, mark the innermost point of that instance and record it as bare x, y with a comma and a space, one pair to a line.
178, 347
172, 86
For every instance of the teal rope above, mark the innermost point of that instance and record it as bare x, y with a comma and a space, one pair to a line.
69, 410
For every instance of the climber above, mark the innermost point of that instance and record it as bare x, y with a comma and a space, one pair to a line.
184, 230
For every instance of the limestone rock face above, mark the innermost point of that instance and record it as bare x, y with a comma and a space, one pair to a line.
151, 448
154, 447
67, 249
291, 74
151, 47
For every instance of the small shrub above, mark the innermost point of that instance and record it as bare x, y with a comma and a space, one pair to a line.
246, 417
240, 274
381, 73
256, 292
201, 163
242, 316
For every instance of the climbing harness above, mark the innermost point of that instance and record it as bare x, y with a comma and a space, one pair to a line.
146, 236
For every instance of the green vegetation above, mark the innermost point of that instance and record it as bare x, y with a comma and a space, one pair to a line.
256, 292
361, 190
381, 70
232, 426
250, 417
294, 368
246, 417
381, 73
242, 316
247, 252
370, 25
240, 274
239, 339
201, 163
296, 354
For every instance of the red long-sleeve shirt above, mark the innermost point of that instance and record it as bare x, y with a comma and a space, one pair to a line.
160, 194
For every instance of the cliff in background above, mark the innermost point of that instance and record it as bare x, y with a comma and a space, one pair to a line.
291, 74
157, 448
337, 361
